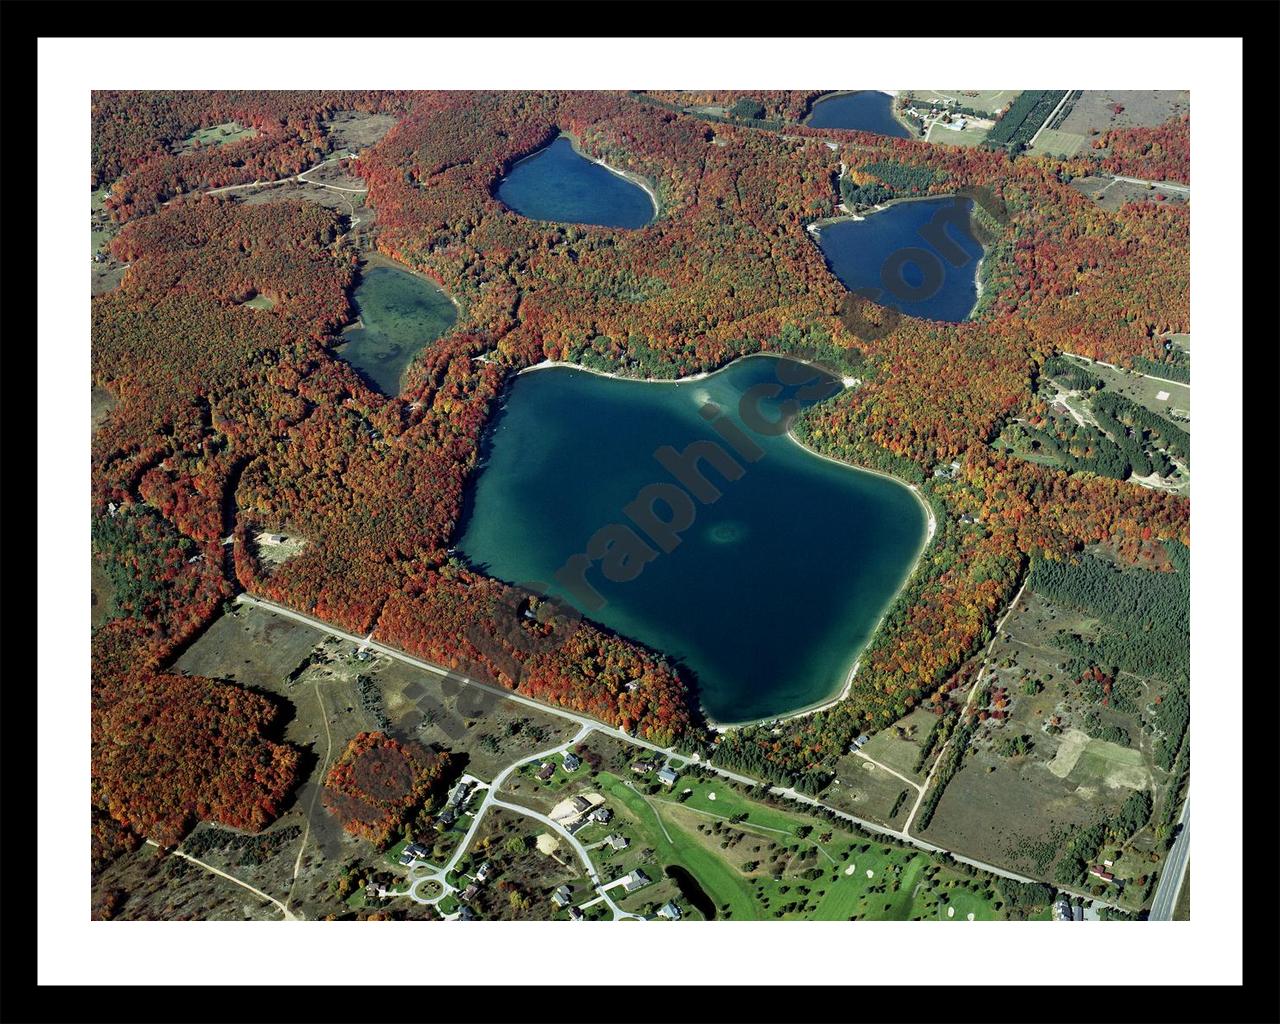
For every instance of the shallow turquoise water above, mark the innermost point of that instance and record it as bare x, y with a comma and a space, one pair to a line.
895, 253
767, 594
558, 184
864, 111
402, 313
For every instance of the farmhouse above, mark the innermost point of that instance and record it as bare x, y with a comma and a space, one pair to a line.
667, 775
1100, 872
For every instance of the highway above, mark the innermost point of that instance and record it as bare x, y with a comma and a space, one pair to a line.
1174, 872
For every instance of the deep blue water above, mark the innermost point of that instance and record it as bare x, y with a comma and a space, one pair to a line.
771, 589
865, 111
558, 184
893, 253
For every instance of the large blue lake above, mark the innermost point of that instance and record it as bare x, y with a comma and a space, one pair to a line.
771, 590
865, 111
919, 257
558, 184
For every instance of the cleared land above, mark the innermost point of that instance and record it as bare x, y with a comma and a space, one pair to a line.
1096, 111
1111, 194
990, 100
970, 136
1018, 809
354, 130
1146, 391
217, 135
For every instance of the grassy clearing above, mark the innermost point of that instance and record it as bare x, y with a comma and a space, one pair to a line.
1055, 142
971, 136
217, 135
1145, 391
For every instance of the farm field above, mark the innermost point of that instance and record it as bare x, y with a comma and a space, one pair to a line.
1095, 111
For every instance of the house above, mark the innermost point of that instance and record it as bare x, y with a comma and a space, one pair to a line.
600, 814
667, 775
618, 842
458, 797
669, 910
581, 805
858, 744
466, 914
571, 762
483, 872
469, 893
575, 914
643, 767
561, 896
1077, 913
548, 770
1100, 872
636, 880
416, 851
446, 818
1062, 909
406, 857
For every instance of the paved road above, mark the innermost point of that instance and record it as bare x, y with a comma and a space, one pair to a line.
1175, 870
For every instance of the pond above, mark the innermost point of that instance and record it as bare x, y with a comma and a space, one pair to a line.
691, 890
867, 111
766, 590
559, 184
917, 256
400, 314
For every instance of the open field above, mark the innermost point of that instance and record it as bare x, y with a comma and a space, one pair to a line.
990, 100
1055, 142
101, 596
1017, 809
970, 136
1094, 111
217, 135
354, 130
1111, 194
1146, 391
867, 791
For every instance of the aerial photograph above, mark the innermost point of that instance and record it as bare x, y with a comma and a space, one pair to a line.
639, 505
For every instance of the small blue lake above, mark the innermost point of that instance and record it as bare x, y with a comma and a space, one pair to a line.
559, 184
919, 257
863, 111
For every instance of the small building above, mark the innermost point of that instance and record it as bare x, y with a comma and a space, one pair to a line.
562, 896
642, 767
581, 804
618, 841
483, 871
469, 893
670, 911
859, 743
1062, 909
571, 762
1100, 872
667, 775
548, 770
575, 914
1077, 913
446, 818
406, 858
466, 914
600, 814
637, 879
417, 850
459, 794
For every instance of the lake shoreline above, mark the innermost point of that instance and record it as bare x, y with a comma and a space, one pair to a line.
830, 702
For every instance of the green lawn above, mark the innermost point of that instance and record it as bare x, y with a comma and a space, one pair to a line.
913, 886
